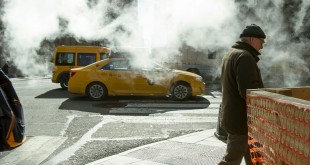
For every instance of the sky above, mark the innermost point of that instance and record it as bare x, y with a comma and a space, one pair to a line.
202, 24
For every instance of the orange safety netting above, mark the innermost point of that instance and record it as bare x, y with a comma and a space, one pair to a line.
256, 151
279, 131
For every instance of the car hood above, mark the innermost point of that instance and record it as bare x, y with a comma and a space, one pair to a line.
181, 72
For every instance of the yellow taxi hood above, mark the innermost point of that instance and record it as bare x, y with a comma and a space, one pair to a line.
181, 72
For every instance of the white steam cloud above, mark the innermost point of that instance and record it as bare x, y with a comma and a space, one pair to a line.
201, 24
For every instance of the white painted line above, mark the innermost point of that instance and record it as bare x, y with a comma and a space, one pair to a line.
214, 105
70, 151
33, 151
169, 119
70, 118
129, 138
196, 111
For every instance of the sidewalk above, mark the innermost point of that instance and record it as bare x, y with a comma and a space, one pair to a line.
196, 148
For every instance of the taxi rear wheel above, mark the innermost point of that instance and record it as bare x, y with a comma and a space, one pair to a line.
180, 91
96, 91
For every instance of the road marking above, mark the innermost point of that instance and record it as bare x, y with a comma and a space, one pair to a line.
212, 110
70, 151
70, 118
33, 151
129, 138
168, 119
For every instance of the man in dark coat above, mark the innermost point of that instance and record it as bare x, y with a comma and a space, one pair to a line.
239, 73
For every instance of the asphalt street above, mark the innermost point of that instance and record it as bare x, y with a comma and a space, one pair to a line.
64, 129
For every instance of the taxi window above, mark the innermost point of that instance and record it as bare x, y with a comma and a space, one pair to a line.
117, 65
65, 59
85, 58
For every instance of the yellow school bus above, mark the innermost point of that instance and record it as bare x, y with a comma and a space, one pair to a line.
68, 57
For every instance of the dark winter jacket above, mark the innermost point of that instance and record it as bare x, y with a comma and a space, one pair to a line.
239, 73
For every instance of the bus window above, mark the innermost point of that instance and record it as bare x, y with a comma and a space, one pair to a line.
104, 56
85, 58
65, 59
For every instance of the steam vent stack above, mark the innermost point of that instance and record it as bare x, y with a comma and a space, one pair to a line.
279, 125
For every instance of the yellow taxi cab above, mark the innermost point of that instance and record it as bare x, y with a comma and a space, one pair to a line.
120, 77
68, 57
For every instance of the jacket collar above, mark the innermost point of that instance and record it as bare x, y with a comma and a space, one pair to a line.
247, 47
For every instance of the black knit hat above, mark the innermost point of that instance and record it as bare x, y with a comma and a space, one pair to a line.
253, 31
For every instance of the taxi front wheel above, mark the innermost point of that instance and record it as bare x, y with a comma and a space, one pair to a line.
96, 91
180, 91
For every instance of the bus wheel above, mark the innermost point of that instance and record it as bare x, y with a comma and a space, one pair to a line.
96, 91
64, 81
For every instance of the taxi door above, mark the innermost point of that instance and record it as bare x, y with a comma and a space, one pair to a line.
116, 75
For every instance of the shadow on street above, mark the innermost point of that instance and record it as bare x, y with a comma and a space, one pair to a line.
121, 105
141, 106
55, 93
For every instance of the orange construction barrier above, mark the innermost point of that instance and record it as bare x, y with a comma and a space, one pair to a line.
256, 151
279, 129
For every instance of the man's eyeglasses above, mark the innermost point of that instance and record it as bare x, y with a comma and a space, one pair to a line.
261, 40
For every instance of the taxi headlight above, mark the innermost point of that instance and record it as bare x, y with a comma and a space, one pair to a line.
199, 79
